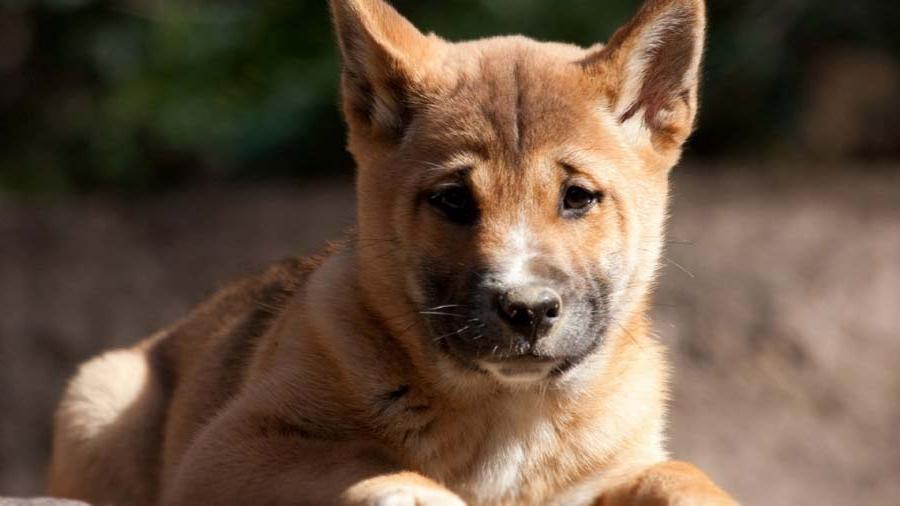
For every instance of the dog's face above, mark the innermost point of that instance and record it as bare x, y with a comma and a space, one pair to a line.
512, 193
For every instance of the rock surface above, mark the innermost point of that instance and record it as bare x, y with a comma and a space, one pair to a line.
39, 501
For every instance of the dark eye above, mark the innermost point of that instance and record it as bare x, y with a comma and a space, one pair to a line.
578, 200
456, 203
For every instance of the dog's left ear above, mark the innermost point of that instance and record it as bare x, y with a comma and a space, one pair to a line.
651, 71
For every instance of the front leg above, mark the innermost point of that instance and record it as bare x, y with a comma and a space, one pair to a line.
666, 484
247, 458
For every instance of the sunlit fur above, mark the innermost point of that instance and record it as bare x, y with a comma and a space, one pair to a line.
375, 373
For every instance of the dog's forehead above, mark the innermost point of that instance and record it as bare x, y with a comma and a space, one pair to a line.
513, 96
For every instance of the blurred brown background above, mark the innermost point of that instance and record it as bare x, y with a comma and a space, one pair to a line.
151, 151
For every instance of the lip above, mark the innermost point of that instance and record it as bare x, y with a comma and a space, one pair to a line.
521, 370
523, 360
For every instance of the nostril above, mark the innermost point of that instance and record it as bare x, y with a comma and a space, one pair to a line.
550, 304
519, 314
553, 310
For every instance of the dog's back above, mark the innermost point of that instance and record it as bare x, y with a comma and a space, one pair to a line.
127, 415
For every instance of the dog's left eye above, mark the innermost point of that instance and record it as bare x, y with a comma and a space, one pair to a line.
456, 203
578, 200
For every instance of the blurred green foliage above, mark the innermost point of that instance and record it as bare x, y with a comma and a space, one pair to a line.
143, 94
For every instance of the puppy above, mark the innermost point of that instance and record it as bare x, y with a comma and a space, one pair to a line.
481, 338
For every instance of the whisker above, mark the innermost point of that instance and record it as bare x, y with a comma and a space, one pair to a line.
680, 267
445, 306
441, 313
445, 336
627, 332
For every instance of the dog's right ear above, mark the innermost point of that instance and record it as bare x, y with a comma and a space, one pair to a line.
386, 62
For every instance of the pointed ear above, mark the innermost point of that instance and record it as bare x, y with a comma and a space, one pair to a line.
385, 64
652, 67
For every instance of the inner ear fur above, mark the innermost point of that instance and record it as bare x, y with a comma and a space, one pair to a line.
385, 65
652, 67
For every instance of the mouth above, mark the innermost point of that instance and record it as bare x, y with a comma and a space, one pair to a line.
512, 359
521, 370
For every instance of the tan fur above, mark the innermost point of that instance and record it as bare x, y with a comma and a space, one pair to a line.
316, 382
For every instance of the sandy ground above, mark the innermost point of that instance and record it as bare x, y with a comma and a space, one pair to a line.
780, 302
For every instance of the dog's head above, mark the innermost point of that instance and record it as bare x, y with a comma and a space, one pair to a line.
512, 193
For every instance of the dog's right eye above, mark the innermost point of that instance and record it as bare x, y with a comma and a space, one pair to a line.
456, 203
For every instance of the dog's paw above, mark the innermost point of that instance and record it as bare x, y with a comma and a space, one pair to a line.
667, 484
403, 489
687, 499
415, 495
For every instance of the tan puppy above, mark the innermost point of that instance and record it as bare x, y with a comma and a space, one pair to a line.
481, 338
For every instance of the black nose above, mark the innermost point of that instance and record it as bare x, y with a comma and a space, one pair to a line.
531, 309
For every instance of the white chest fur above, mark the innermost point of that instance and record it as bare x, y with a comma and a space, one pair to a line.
507, 457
